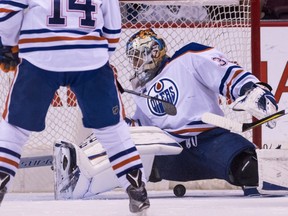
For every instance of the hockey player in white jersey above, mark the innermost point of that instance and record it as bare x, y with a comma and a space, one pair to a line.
192, 80
65, 43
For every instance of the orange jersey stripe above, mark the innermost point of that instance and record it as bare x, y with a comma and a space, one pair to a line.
191, 130
114, 40
3, 10
123, 163
228, 95
62, 38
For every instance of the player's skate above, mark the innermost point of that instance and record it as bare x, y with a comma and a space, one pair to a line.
137, 192
66, 170
4, 179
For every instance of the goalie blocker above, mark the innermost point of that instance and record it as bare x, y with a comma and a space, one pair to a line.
83, 171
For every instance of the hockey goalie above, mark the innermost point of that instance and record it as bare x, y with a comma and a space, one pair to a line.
191, 80
83, 171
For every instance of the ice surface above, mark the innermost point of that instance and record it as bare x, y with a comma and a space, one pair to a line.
164, 203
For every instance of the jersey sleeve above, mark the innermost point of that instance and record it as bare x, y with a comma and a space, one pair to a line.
112, 23
221, 75
11, 15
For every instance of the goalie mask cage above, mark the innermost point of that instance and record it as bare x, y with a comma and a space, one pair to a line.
230, 25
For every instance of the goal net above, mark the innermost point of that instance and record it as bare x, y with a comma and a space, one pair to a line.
225, 24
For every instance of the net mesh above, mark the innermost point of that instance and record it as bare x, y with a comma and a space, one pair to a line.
223, 24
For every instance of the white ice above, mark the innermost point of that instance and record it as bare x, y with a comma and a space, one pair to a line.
164, 203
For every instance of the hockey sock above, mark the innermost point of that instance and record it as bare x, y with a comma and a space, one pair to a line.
121, 151
12, 140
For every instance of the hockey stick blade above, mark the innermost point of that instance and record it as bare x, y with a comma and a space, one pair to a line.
228, 124
38, 161
248, 126
220, 121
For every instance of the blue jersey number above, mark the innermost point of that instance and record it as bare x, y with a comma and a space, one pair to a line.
221, 61
86, 8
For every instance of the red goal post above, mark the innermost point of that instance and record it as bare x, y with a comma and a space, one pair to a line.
230, 25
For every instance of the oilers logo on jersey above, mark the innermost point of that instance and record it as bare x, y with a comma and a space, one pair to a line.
164, 89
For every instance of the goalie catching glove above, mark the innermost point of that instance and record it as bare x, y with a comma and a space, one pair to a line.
8, 57
257, 100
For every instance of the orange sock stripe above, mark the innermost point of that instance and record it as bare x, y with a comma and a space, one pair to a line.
8, 161
123, 163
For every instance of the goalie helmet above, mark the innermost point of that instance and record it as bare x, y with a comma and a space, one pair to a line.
145, 51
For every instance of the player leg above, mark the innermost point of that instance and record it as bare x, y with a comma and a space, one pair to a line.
99, 101
12, 141
271, 175
255, 170
211, 158
27, 104
244, 172
242, 166
235, 154
244, 169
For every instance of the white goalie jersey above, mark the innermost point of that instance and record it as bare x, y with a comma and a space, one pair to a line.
208, 74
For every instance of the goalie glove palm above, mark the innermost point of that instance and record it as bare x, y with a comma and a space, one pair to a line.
258, 101
8, 58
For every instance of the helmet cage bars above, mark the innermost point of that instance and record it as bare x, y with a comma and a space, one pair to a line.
145, 52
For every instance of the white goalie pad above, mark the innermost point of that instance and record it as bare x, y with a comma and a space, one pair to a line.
93, 172
273, 171
66, 172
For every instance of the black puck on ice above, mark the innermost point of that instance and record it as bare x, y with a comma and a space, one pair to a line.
179, 190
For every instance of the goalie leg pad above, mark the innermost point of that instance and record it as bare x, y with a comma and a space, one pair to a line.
95, 173
67, 173
244, 169
273, 172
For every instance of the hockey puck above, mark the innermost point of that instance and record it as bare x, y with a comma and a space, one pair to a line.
179, 190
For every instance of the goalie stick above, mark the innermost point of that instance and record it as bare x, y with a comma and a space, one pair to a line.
47, 160
37, 161
168, 107
229, 124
